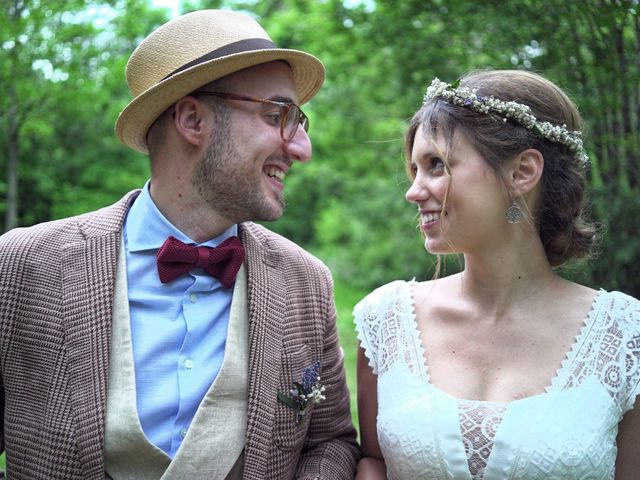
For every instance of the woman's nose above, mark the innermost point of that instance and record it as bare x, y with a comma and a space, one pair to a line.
416, 192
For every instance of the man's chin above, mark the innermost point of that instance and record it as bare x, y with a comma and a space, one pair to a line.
269, 212
271, 217
276, 209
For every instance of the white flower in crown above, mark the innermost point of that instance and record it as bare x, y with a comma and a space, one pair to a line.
467, 97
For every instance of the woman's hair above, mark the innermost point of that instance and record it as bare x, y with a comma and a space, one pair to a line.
558, 215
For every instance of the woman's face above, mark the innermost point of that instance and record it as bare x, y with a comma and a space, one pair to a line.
460, 198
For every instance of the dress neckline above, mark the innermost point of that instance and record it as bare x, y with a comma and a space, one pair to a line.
567, 360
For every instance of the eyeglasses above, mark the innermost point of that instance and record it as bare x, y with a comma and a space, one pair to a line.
290, 115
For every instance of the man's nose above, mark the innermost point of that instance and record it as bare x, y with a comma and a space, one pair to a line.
299, 147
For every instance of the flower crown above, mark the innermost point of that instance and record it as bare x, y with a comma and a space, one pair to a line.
467, 97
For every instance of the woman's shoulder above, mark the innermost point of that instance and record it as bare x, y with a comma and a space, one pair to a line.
385, 293
621, 298
620, 307
378, 317
616, 331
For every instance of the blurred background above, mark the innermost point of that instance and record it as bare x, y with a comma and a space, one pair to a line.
62, 85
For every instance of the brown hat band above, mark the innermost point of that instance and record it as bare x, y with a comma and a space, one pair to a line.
245, 45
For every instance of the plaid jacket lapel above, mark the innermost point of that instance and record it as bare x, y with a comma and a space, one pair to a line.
88, 274
267, 303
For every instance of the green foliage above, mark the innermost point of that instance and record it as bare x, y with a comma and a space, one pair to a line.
66, 86
379, 58
346, 298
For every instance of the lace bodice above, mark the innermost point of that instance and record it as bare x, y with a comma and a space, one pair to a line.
568, 432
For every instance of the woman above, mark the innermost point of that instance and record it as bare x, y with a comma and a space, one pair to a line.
504, 370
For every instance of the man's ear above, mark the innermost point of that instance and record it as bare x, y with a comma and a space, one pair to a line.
525, 172
188, 120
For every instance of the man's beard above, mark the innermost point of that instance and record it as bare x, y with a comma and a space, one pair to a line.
233, 186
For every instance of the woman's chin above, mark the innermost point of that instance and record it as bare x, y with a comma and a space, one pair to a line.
437, 247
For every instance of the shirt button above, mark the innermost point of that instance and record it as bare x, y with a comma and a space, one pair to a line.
183, 432
188, 363
193, 297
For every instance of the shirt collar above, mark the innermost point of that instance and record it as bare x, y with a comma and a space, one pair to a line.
146, 228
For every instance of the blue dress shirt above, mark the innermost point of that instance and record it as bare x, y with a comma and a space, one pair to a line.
178, 329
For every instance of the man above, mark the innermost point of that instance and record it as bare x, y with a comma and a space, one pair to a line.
116, 366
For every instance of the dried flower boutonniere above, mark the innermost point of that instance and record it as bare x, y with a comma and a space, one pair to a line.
308, 392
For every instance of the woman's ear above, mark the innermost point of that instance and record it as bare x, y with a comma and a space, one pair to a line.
525, 172
188, 120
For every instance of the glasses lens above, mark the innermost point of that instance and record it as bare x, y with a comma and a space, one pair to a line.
291, 120
303, 121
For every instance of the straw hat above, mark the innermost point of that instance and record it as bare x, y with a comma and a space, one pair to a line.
193, 50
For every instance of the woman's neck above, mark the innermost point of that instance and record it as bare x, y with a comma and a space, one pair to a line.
508, 275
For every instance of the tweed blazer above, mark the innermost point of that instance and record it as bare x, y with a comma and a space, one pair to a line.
56, 300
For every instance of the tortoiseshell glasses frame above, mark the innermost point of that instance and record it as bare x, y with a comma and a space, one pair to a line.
291, 116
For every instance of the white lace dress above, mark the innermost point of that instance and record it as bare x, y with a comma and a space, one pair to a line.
566, 433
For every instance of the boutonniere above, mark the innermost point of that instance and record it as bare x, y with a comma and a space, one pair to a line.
304, 393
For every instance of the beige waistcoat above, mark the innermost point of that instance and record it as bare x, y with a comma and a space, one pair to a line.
213, 446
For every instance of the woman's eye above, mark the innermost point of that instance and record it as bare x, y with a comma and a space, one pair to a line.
437, 164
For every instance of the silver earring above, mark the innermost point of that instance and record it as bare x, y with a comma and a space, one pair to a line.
514, 213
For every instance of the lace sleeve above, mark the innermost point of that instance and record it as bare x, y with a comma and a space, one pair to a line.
607, 349
370, 315
366, 320
627, 310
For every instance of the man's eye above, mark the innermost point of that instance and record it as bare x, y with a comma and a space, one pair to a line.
274, 118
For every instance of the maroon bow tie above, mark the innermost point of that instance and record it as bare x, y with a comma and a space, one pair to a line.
222, 262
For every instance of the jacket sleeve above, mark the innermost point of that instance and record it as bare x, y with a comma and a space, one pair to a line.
330, 450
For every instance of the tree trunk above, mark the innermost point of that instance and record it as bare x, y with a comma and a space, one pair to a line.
11, 214
13, 127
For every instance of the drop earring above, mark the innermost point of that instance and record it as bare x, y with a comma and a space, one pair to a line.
514, 213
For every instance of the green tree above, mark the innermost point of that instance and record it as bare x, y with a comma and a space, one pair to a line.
381, 55
64, 90
62, 65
